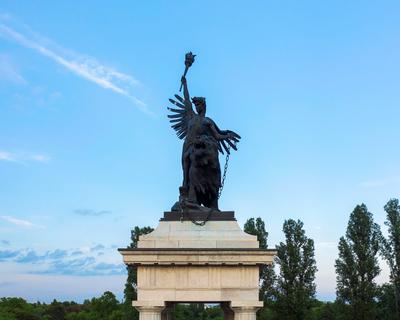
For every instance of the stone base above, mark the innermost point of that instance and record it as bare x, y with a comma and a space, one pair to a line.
172, 232
182, 262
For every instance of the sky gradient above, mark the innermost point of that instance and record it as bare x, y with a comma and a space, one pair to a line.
86, 151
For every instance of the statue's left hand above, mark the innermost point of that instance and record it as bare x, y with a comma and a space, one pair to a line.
233, 136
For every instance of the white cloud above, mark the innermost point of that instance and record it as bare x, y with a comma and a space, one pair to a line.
85, 249
8, 71
20, 222
40, 158
23, 157
7, 156
83, 66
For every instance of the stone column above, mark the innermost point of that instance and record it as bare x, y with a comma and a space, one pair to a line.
245, 313
149, 312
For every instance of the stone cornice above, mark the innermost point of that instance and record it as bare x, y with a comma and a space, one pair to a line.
197, 256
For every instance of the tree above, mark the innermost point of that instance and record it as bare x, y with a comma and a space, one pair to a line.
105, 305
391, 250
17, 309
196, 311
56, 310
267, 274
357, 265
386, 302
257, 228
295, 283
130, 292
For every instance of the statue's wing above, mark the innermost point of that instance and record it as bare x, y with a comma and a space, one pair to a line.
180, 116
229, 142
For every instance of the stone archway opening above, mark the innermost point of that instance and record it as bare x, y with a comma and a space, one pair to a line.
196, 311
178, 310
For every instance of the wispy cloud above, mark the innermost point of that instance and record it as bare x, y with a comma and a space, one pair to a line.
5, 242
83, 267
20, 222
90, 212
97, 247
7, 156
8, 254
76, 253
23, 157
30, 257
62, 262
39, 158
85, 67
9, 72
33, 257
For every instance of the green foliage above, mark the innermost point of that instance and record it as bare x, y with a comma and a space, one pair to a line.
18, 309
267, 312
391, 251
106, 307
357, 265
136, 232
256, 227
196, 311
130, 292
319, 310
295, 284
55, 311
386, 302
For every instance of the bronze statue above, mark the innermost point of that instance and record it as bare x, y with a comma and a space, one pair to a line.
202, 142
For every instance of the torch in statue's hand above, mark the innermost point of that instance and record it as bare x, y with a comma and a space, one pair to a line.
189, 59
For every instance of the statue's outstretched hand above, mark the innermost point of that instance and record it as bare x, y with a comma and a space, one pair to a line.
233, 136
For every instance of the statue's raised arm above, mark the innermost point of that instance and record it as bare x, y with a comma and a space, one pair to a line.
180, 117
186, 96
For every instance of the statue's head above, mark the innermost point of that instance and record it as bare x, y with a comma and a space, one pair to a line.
200, 104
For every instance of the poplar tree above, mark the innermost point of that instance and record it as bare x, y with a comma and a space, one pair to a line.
357, 265
256, 227
295, 283
391, 250
130, 291
385, 302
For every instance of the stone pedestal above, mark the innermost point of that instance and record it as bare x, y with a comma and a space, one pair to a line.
184, 262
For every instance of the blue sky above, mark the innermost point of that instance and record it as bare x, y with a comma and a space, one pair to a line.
86, 151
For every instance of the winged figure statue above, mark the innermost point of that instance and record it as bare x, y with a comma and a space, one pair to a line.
203, 141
